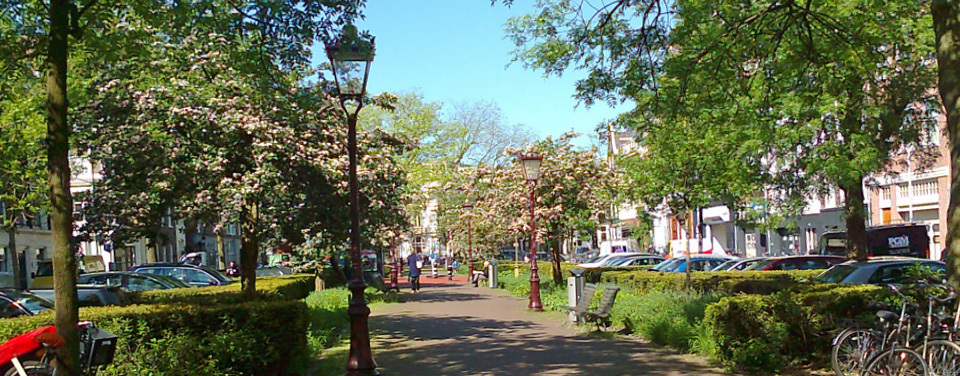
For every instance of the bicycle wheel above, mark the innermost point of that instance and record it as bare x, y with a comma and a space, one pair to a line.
32, 367
943, 358
852, 349
899, 361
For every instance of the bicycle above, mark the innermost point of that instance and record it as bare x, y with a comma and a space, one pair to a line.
36, 352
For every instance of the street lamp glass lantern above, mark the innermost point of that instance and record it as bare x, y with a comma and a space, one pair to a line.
350, 58
531, 167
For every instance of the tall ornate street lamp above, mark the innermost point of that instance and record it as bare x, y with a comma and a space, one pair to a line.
469, 242
350, 59
531, 172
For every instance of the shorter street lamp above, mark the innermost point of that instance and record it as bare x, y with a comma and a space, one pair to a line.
469, 242
681, 220
395, 269
350, 59
531, 173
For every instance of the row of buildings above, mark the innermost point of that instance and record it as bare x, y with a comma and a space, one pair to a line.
905, 193
174, 239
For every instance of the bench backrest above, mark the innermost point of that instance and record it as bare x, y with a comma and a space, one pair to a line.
606, 302
586, 297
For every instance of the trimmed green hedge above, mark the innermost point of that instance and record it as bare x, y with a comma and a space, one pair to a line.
764, 333
208, 331
291, 287
726, 283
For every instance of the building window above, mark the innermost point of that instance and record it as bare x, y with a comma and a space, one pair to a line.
920, 189
750, 243
885, 193
811, 238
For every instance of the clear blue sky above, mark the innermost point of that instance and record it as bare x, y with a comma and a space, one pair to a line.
456, 50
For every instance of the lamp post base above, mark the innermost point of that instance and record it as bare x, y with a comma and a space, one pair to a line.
395, 274
360, 361
535, 304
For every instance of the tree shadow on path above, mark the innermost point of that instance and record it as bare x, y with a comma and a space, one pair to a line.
410, 343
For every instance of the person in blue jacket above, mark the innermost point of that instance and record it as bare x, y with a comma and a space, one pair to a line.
414, 263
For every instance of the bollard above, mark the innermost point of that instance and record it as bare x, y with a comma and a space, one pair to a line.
433, 266
492, 272
572, 297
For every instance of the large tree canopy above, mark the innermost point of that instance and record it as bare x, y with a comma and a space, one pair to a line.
803, 94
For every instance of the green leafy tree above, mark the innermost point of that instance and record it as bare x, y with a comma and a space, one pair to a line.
112, 31
818, 98
21, 167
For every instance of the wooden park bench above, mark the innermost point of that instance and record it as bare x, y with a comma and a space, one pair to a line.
602, 314
583, 305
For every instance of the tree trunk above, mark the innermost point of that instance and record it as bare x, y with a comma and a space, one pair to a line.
221, 252
946, 25
557, 272
14, 256
61, 202
854, 212
250, 245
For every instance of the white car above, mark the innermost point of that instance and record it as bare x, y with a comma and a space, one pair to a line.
607, 257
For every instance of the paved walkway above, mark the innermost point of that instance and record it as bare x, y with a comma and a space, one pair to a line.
453, 328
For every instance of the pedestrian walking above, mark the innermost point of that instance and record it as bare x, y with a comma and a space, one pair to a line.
233, 270
415, 263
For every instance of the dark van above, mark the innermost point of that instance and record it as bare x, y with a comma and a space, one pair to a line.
889, 240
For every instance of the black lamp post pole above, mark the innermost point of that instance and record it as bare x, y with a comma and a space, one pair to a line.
535, 303
360, 361
469, 248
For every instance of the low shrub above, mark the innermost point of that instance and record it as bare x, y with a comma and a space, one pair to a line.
764, 333
255, 338
667, 318
209, 331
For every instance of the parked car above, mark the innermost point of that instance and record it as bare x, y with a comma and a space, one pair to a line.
885, 270
131, 281
190, 274
600, 261
698, 263
635, 260
273, 271
807, 262
19, 303
737, 264
90, 295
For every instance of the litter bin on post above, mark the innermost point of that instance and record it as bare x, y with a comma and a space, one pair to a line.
574, 290
492, 273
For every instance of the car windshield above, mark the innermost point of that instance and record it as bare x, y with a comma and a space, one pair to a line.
759, 265
668, 265
32, 303
216, 274
835, 274
169, 281
614, 261
724, 266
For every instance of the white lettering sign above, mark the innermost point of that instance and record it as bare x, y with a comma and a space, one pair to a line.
902, 241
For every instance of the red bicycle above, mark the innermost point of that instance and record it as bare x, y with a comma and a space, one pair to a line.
36, 352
